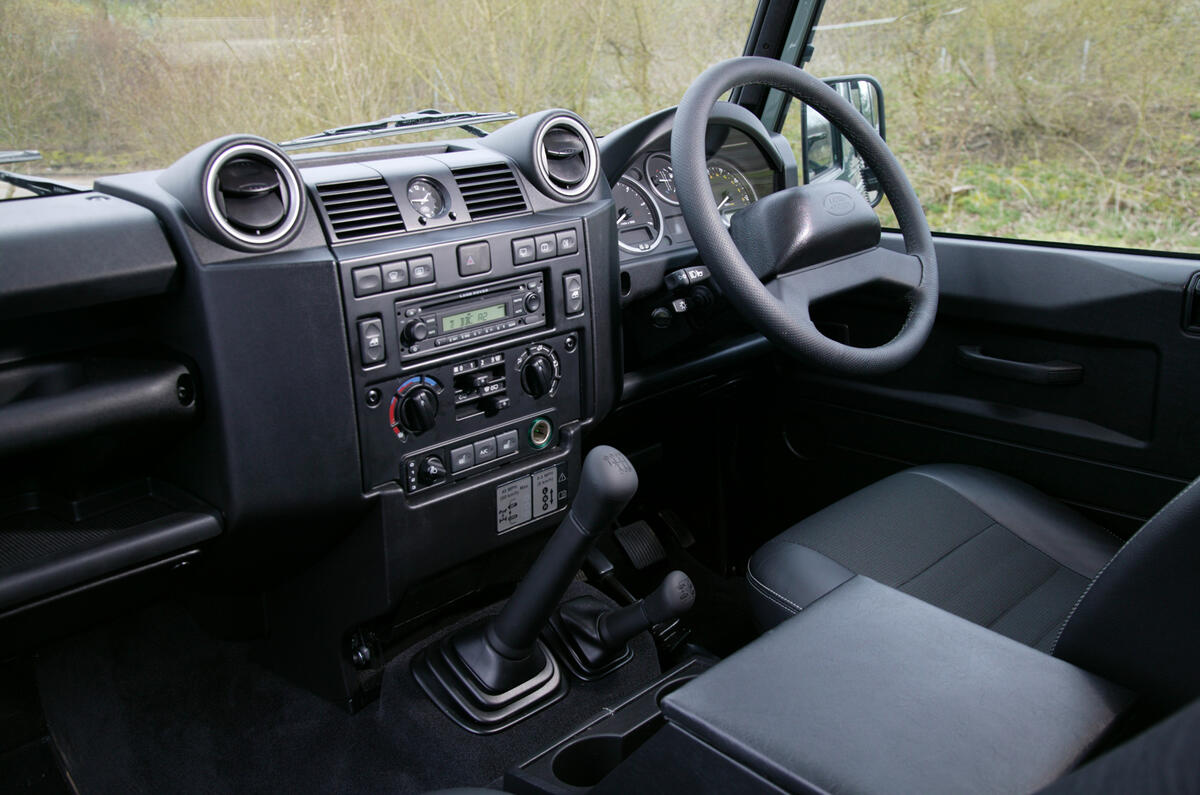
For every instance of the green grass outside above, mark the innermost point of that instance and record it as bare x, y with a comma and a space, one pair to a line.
1064, 120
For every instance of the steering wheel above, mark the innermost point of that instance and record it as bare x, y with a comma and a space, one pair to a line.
797, 246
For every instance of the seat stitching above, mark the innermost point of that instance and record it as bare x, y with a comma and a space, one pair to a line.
767, 591
1029, 592
1124, 547
981, 509
954, 549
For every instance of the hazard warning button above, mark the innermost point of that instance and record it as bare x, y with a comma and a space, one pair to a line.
474, 258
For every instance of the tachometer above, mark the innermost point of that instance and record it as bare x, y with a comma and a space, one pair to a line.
730, 190
661, 176
639, 223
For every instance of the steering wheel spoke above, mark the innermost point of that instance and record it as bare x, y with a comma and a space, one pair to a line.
878, 265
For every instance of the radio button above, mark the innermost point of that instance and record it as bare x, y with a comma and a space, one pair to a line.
546, 245
462, 458
485, 450
395, 275
420, 270
568, 242
523, 250
367, 281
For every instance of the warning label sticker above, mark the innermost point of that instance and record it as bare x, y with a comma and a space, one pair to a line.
530, 497
512, 505
545, 491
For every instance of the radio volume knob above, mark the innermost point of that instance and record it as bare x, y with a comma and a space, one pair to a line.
537, 376
418, 409
415, 331
533, 302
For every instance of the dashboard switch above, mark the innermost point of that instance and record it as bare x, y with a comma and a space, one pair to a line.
370, 341
573, 293
474, 258
395, 275
432, 471
507, 443
568, 242
523, 251
546, 245
367, 281
485, 450
420, 270
462, 458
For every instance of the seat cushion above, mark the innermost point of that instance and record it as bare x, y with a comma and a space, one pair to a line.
978, 544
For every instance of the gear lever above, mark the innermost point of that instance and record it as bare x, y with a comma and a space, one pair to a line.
594, 636
492, 674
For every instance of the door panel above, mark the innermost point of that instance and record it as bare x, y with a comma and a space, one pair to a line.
1118, 438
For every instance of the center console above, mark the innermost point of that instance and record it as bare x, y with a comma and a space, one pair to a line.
470, 355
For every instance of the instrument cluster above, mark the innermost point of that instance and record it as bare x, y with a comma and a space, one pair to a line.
647, 206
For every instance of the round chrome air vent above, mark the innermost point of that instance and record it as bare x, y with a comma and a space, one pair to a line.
566, 157
253, 196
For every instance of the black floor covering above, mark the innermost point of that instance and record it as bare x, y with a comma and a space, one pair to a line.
152, 704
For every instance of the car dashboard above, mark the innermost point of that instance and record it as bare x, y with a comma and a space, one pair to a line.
364, 371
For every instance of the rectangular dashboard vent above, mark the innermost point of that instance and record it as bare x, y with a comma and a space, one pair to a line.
490, 190
360, 208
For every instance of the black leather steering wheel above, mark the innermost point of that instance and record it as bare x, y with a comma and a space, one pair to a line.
805, 243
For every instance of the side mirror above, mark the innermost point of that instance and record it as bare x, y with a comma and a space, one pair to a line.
826, 152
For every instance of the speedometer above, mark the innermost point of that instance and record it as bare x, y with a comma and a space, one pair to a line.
730, 189
639, 223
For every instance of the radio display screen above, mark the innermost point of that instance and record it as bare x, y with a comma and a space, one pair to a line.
474, 317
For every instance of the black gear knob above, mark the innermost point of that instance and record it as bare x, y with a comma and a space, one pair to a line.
674, 596
606, 485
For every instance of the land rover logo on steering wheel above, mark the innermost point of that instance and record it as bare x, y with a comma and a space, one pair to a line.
839, 203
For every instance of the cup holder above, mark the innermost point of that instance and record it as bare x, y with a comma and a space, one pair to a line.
586, 761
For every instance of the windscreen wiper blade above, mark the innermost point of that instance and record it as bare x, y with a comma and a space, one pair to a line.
40, 185
417, 121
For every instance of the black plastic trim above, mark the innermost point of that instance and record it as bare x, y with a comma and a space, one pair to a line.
66, 252
131, 547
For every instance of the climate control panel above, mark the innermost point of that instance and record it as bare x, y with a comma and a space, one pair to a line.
467, 415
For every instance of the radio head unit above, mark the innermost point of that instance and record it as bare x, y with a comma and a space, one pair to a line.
446, 321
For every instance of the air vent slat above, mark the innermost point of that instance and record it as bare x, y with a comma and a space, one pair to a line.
487, 195
490, 190
359, 199
360, 208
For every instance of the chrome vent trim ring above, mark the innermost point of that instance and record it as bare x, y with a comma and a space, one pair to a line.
289, 181
591, 152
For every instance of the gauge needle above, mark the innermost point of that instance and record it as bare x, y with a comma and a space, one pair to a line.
723, 201
622, 218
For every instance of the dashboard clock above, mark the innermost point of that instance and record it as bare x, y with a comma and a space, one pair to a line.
426, 197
